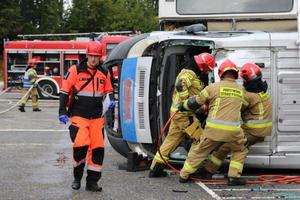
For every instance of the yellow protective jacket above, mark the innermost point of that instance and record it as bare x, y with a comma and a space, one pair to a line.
225, 99
30, 77
187, 84
257, 117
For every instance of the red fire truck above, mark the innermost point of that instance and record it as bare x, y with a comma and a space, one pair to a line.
55, 57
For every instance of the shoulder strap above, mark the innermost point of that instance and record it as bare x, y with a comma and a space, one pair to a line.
103, 69
86, 83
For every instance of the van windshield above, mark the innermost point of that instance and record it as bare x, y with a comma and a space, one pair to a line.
201, 7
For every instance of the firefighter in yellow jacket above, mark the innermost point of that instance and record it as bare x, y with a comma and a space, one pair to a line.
188, 83
225, 100
30, 77
257, 117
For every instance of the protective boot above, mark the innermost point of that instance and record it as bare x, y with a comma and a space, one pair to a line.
36, 110
22, 108
183, 180
202, 173
158, 171
91, 181
78, 173
93, 186
76, 184
234, 181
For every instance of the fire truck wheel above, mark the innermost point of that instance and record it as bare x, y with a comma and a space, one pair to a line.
49, 87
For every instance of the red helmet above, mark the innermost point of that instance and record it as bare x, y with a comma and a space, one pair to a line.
250, 71
227, 65
94, 49
205, 61
31, 62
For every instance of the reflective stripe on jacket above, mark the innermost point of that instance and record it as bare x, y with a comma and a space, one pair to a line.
257, 117
187, 84
29, 78
225, 99
88, 103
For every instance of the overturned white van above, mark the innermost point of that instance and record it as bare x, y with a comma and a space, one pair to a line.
148, 64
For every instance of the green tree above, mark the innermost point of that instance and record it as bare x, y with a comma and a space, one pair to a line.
29, 15
42, 16
112, 15
51, 16
48, 16
153, 4
78, 15
99, 13
9, 17
132, 15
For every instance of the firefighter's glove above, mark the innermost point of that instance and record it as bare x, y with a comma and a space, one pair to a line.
181, 107
63, 119
203, 109
112, 104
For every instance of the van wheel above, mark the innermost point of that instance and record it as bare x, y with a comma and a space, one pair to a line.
49, 87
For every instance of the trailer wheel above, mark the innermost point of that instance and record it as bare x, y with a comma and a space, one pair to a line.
49, 87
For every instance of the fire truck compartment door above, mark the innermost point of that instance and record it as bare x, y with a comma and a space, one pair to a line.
134, 99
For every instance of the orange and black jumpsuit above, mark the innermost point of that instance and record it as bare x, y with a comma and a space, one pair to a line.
87, 123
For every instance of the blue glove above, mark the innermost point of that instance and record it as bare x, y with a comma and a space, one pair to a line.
112, 104
63, 119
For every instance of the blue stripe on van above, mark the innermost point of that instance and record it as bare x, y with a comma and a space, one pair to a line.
127, 97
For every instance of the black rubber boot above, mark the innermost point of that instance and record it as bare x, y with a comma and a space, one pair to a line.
182, 180
78, 173
22, 108
153, 174
202, 173
158, 171
233, 181
93, 186
76, 184
91, 181
36, 110
199, 174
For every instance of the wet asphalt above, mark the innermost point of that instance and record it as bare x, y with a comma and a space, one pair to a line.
35, 157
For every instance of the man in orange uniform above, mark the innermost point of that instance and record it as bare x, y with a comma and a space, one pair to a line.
89, 82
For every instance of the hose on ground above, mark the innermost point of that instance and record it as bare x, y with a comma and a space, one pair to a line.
4, 91
262, 179
15, 105
46, 93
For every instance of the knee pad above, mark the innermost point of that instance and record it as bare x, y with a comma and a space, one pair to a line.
79, 153
98, 155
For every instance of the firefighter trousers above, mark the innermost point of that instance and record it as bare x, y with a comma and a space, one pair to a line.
87, 136
176, 134
205, 147
216, 159
34, 97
